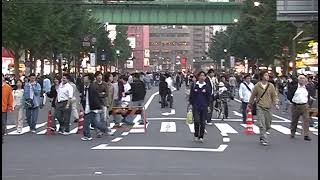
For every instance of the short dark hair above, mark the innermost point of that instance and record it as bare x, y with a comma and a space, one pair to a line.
90, 76
201, 72
136, 75
115, 74
67, 75
107, 76
261, 74
32, 74
125, 78
247, 75
210, 71
98, 73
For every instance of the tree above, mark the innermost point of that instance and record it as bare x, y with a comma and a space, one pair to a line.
121, 43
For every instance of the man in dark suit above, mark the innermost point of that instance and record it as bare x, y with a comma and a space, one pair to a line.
210, 82
92, 104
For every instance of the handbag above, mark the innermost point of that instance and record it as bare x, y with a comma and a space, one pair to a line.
254, 106
29, 103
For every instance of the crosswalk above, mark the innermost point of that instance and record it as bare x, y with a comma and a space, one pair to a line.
172, 127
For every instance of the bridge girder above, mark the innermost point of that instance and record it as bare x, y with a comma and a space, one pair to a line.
158, 13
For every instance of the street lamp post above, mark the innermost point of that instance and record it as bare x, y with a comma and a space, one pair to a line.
118, 54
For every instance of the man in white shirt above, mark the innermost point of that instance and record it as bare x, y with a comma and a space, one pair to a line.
63, 104
245, 91
126, 99
300, 107
170, 83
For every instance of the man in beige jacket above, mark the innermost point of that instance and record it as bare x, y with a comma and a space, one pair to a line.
264, 93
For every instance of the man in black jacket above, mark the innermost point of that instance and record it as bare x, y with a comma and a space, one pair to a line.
92, 104
138, 91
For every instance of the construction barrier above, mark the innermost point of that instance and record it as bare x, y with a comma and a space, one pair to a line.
80, 123
130, 111
249, 128
49, 124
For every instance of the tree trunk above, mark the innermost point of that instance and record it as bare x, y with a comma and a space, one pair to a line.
54, 62
42, 66
60, 66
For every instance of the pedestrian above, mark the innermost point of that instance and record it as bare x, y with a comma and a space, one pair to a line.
210, 82
109, 101
63, 104
163, 91
74, 101
298, 95
233, 84
171, 88
199, 99
245, 91
116, 97
7, 104
126, 98
92, 104
138, 92
266, 97
32, 90
53, 94
18, 104
177, 78
102, 88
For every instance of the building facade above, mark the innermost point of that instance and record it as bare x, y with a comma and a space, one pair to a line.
139, 42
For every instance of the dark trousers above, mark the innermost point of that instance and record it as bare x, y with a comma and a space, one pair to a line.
244, 112
209, 116
4, 116
32, 117
297, 111
199, 117
63, 115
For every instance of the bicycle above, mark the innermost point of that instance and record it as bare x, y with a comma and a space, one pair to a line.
221, 106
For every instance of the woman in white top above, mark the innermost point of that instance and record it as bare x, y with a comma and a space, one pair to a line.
18, 104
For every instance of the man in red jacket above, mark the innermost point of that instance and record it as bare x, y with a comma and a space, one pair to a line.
7, 103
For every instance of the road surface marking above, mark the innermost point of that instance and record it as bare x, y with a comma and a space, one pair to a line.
225, 120
312, 129
255, 128
225, 139
10, 126
225, 128
237, 113
74, 131
45, 131
221, 148
168, 127
282, 129
27, 129
124, 133
191, 127
146, 105
116, 139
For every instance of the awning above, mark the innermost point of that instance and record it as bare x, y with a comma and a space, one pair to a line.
6, 53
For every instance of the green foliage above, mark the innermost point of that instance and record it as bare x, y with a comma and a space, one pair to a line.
121, 43
47, 29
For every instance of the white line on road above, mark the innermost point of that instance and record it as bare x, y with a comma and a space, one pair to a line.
124, 133
225, 128
282, 129
225, 139
221, 148
74, 131
312, 129
27, 129
168, 127
191, 127
10, 126
116, 139
225, 120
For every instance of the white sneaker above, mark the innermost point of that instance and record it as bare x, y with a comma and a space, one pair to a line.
209, 124
66, 133
33, 131
86, 138
110, 133
267, 133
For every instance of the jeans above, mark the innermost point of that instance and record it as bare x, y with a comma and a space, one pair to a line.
209, 116
199, 116
244, 111
4, 116
138, 103
91, 118
101, 117
32, 117
284, 102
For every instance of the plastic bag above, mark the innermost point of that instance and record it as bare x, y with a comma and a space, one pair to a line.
189, 119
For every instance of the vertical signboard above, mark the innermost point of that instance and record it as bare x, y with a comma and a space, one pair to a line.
92, 59
232, 61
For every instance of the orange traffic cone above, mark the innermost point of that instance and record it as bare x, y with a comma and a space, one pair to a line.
49, 124
80, 123
249, 128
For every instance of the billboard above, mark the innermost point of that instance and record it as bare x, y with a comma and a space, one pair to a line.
297, 10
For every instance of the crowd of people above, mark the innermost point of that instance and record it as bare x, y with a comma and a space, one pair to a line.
96, 94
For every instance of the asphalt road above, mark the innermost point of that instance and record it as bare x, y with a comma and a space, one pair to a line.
165, 151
